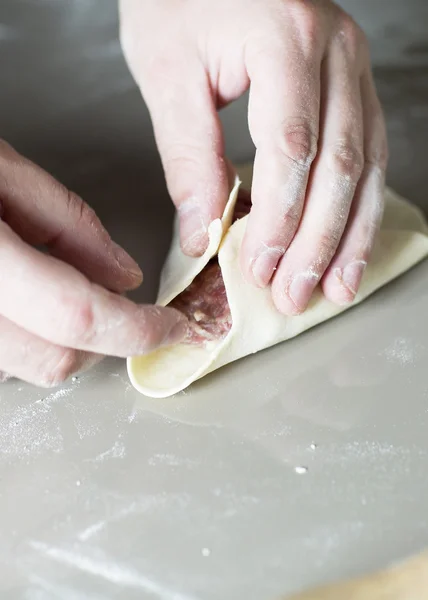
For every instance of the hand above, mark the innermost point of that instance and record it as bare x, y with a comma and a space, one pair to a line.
314, 117
57, 314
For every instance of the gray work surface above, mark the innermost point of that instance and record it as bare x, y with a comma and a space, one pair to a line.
106, 494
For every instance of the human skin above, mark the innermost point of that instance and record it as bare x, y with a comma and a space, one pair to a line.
314, 117
61, 312
317, 194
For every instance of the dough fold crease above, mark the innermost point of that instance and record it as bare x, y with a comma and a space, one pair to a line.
256, 324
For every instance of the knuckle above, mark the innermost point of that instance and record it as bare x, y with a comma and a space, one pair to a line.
150, 341
78, 321
327, 245
182, 165
309, 24
177, 155
347, 161
151, 328
80, 212
288, 219
61, 367
292, 219
186, 164
351, 34
298, 142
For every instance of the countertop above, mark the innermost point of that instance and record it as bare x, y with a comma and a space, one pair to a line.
301, 465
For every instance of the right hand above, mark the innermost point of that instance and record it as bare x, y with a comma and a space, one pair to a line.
60, 312
314, 117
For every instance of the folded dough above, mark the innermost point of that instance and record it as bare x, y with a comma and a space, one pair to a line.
254, 322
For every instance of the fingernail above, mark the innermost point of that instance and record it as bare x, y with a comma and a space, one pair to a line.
177, 333
193, 230
351, 275
301, 289
125, 261
264, 266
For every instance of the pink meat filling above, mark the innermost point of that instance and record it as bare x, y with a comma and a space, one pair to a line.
204, 301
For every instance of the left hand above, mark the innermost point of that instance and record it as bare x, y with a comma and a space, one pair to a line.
314, 117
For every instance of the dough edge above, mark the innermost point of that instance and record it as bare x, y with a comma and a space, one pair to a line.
402, 242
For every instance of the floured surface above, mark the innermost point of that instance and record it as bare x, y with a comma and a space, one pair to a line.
105, 493
237, 458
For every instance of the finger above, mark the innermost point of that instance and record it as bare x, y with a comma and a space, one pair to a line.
36, 361
57, 303
343, 277
284, 122
4, 377
43, 212
190, 141
333, 183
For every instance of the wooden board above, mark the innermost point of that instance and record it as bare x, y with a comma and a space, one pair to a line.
405, 581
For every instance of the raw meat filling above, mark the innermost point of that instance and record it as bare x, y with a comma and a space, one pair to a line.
204, 302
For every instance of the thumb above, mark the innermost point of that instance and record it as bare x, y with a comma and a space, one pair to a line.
190, 141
